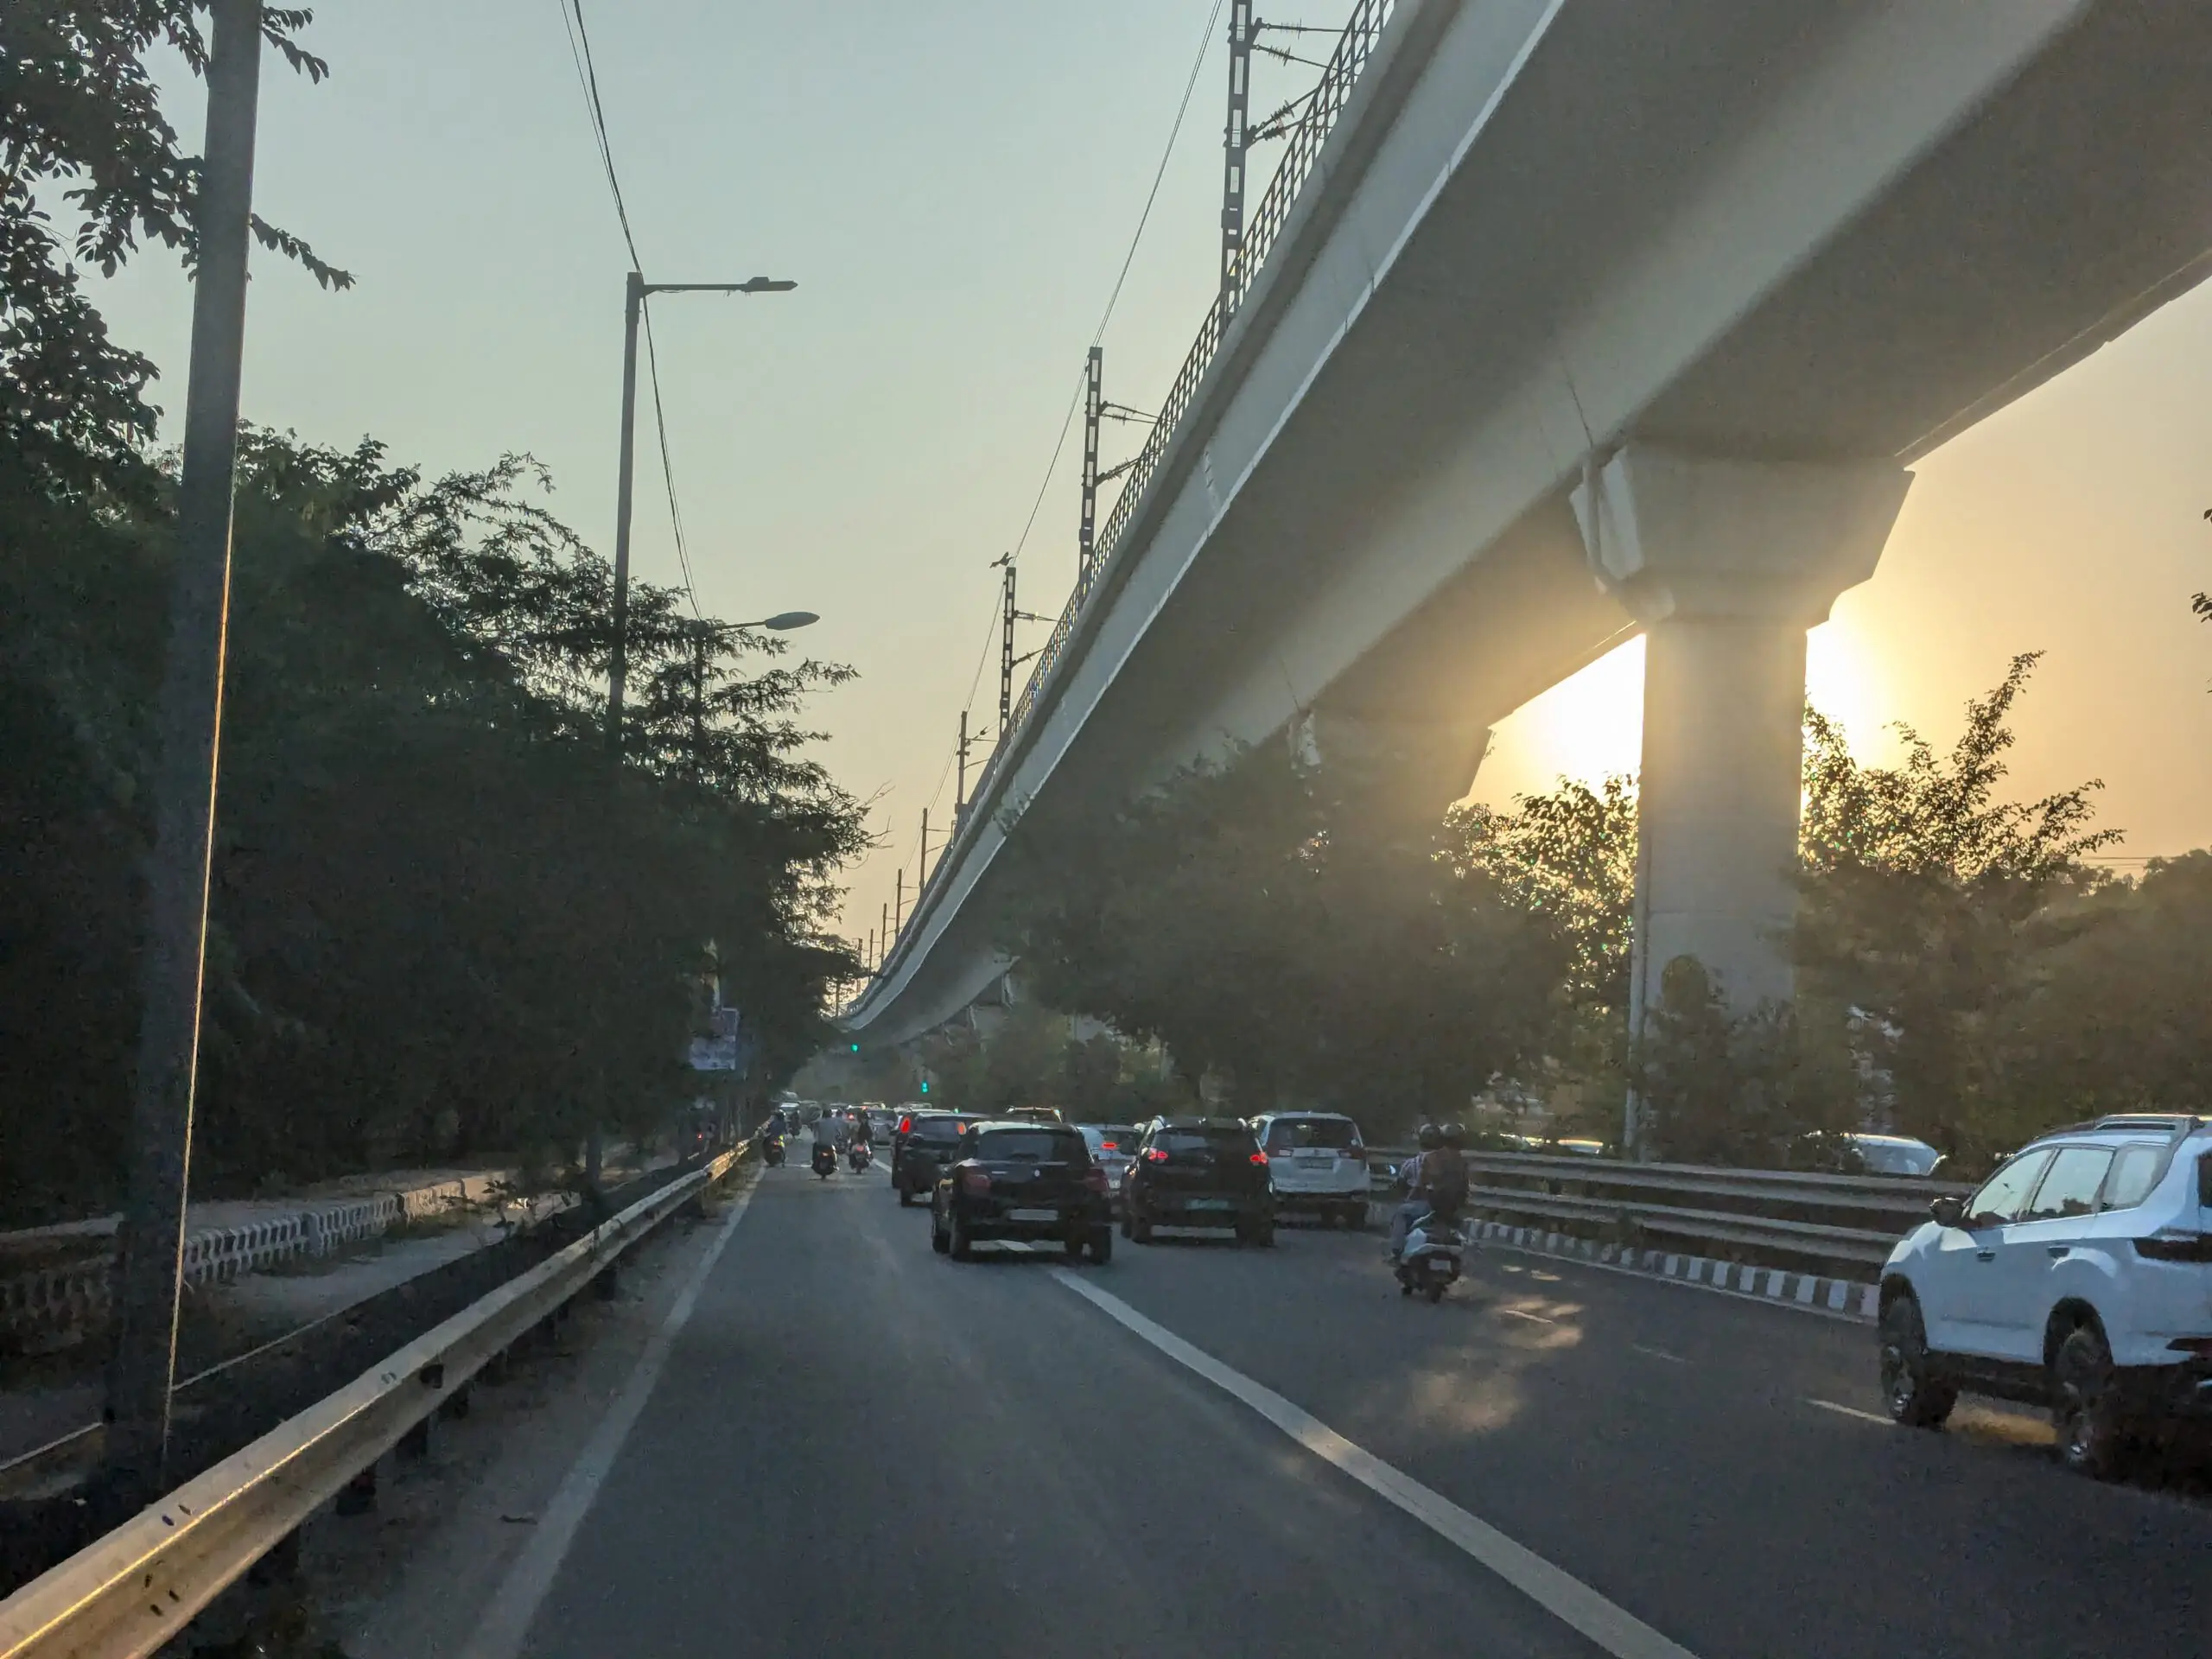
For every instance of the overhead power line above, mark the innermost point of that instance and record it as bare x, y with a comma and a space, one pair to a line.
572, 19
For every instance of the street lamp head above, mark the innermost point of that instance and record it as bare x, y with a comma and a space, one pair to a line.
785, 621
766, 285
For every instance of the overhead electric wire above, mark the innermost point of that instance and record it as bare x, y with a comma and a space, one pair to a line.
1206, 44
572, 19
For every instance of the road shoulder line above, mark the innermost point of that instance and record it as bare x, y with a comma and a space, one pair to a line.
507, 1617
1565, 1597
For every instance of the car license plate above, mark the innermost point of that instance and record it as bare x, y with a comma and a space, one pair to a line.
1315, 1157
1032, 1215
1212, 1204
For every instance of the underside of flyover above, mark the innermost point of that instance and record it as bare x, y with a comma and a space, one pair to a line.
1800, 232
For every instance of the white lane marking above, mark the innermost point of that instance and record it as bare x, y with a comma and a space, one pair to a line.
1659, 1353
1851, 1411
1566, 1597
1522, 1313
507, 1616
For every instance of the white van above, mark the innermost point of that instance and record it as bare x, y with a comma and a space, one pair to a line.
1316, 1163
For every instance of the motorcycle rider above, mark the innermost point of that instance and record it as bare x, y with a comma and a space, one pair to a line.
1414, 1173
1445, 1173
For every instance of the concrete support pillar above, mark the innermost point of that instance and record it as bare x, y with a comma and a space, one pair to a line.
1728, 563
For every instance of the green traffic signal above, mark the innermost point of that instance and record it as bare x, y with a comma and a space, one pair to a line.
857, 1048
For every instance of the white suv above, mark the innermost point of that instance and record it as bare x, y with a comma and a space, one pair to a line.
1316, 1163
2079, 1277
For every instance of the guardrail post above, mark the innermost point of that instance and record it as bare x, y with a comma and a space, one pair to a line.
359, 1495
456, 1405
606, 1286
415, 1445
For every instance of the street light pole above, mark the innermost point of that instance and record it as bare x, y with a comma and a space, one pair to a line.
172, 970
635, 291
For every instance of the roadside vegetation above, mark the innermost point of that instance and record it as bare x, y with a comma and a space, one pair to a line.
446, 921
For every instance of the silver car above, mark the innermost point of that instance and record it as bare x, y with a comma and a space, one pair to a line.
1113, 1148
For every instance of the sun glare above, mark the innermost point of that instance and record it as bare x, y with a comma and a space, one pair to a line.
1591, 724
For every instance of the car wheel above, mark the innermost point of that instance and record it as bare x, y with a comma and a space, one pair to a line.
2085, 1405
1101, 1246
961, 1246
1073, 1244
1140, 1230
938, 1241
1356, 1218
1125, 1221
1436, 1293
904, 1198
1915, 1398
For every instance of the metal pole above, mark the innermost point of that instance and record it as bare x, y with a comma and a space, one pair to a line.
922, 871
960, 790
618, 662
1006, 661
1234, 144
698, 702
190, 713
883, 936
898, 903
1093, 401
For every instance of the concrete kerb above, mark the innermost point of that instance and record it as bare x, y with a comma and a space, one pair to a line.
1844, 1297
52, 1307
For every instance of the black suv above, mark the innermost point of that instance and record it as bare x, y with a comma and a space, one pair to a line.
923, 1146
1198, 1172
1015, 1180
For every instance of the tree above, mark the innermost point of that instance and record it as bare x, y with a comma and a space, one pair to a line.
1926, 899
444, 921
1569, 857
82, 125
1257, 923
2114, 1017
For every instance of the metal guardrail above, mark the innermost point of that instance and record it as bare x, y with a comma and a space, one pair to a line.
131, 1590
1798, 1214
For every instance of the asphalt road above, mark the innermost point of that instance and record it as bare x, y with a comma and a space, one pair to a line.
857, 1446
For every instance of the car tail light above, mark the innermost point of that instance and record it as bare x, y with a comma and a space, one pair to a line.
1095, 1178
975, 1180
905, 1124
1258, 1158
1155, 1155
1110, 1146
2176, 1246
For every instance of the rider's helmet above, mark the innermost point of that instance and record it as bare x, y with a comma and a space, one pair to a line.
1455, 1134
1431, 1137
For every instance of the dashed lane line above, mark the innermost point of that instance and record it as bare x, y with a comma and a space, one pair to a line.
1613, 1629
1851, 1411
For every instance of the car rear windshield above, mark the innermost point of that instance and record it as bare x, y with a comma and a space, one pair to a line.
938, 1128
1115, 1137
1032, 1146
1221, 1139
1333, 1134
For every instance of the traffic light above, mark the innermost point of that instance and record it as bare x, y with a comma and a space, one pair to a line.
925, 1085
857, 1048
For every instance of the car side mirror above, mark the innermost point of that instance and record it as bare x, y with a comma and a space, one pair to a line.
1948, 1211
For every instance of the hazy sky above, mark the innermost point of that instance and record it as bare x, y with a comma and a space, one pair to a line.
954, 184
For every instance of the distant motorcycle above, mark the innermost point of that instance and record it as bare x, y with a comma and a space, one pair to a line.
772, 1152
825, 1160
860, 1156
1432, 1258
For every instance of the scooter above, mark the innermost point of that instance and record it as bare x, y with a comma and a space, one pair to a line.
1431, 1262
860, 1156
825, 1160
772, 1152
